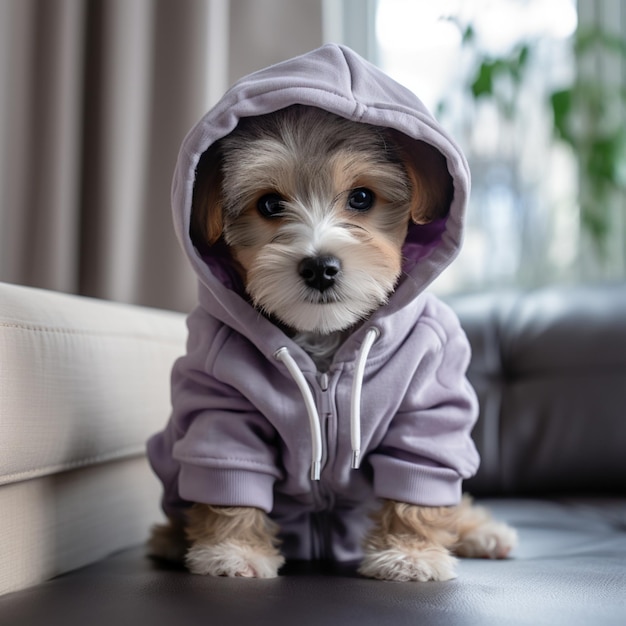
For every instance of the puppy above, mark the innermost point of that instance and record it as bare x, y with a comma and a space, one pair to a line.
314, 210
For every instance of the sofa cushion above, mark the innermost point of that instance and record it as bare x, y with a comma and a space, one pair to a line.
568, 570
82, 381
549, 367
56, 523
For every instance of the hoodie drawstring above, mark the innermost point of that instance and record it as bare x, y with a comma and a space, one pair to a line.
316, 433
355, 406
355, 403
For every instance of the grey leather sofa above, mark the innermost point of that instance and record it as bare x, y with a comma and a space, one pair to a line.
550, 370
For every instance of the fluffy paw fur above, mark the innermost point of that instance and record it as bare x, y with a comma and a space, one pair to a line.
412, 543
233, 559
492, 540
220, 541
232, 541
480, 536
168, 542
409, 564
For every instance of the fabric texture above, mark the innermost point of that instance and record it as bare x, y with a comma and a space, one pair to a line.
93, 106
65, 520
238, 434
56, 353
82, 384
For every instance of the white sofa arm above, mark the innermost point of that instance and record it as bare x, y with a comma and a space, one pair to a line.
83, 384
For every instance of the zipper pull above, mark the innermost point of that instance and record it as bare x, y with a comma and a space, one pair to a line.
324, 381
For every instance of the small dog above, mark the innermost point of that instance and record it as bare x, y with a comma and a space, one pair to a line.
315, 209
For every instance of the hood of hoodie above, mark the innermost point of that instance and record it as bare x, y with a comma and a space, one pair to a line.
338, 80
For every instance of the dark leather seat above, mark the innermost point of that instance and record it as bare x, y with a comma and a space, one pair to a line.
550, 370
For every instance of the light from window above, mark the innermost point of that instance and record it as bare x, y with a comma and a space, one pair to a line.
523, 223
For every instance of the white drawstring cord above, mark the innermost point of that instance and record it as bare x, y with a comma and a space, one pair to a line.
316, 433
355, 404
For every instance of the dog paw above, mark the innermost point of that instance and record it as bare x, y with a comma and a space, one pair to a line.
432, 563
492, 540
167, 542
232, 559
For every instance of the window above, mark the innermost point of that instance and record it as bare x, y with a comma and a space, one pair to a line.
505, 77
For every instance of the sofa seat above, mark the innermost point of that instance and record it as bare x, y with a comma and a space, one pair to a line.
568, 570
83, 383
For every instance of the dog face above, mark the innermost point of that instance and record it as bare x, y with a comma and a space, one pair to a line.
315, 209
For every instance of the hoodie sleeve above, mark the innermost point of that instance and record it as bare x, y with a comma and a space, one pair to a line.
428, 450
217, 448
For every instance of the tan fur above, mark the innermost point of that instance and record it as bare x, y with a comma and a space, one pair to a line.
302, 152
480, 536
431, 183
232, 541
207, 221
217, 524
409, 542
313, 160
168, 542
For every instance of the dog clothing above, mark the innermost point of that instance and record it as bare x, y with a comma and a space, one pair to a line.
253, 421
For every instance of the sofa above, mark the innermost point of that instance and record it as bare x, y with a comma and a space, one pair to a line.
83, 383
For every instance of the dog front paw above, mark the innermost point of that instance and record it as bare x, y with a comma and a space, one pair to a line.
405, 565
491, 540
167, 542
233, 559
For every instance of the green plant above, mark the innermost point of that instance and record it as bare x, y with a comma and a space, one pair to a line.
499, 78
587, 115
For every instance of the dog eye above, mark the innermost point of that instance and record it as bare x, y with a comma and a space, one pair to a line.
361, 199
270, 205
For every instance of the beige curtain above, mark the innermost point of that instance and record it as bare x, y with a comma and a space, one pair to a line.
95, 98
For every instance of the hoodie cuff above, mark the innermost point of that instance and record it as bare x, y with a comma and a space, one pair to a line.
403, 481
226, 487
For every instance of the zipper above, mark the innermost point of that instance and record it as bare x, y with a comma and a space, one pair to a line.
325, 415
324, 381
329, 436
320, 522
318, 404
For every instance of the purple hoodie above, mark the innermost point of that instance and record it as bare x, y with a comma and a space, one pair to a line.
254, 423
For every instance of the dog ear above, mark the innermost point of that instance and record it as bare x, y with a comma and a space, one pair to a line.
207, 221
432, 186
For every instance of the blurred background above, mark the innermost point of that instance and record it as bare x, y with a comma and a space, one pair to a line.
97, 95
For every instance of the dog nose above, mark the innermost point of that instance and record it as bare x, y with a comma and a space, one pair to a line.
319, 272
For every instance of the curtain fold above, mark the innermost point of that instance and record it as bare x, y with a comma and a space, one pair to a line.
41, 61
95, 99
264, 32
117, 110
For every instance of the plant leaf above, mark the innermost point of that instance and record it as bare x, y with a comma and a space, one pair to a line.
483, 82
561, 103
